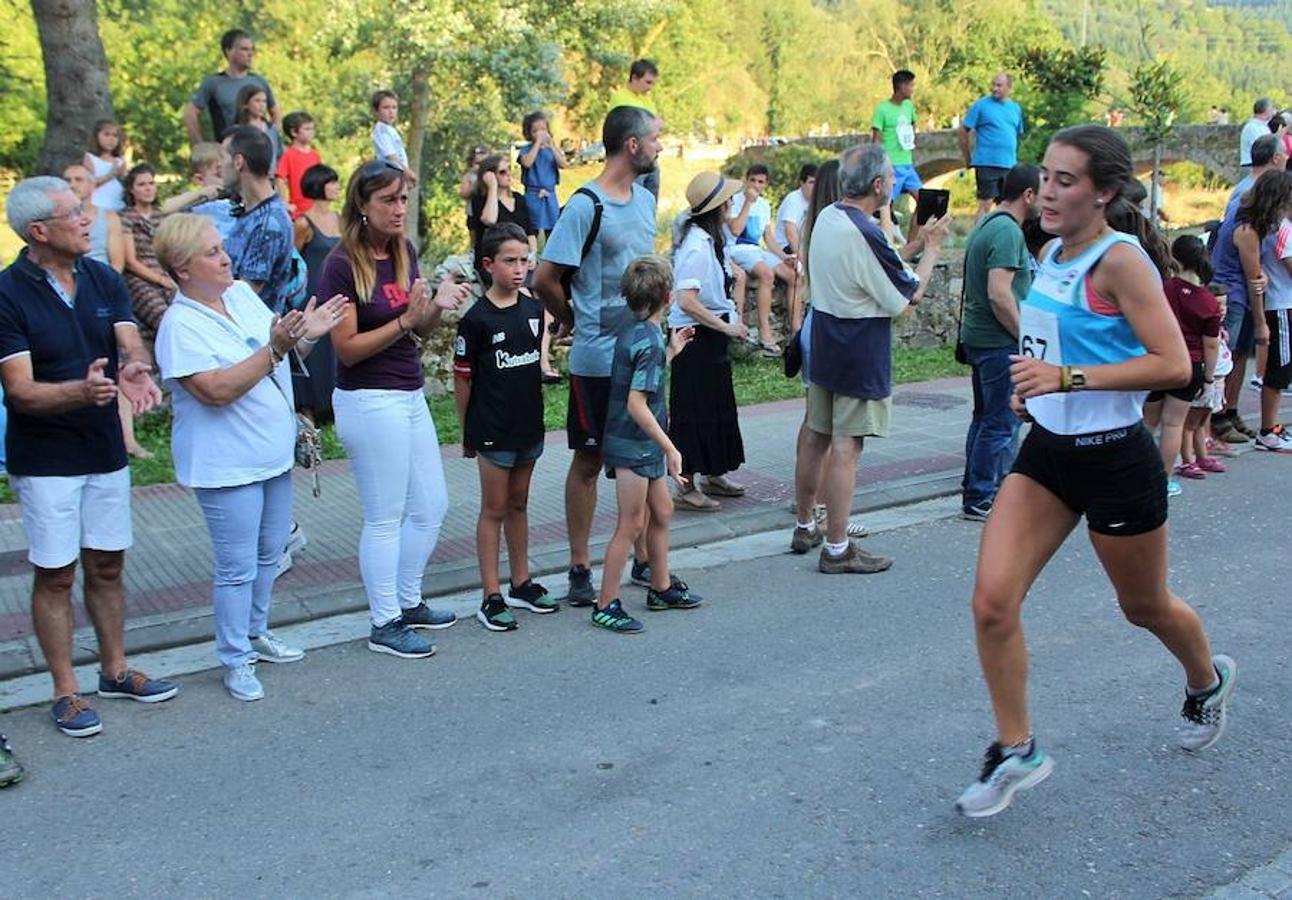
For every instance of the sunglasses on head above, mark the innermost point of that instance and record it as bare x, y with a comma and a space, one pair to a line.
380, 167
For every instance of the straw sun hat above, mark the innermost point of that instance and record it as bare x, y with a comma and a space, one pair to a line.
709, 190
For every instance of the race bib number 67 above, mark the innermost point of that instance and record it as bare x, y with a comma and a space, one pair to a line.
1038, 335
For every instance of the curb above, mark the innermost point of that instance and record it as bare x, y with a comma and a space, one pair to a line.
168, 630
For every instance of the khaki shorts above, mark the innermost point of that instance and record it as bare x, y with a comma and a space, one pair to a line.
840, 416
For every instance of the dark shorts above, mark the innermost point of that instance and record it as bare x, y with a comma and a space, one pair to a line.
1114, 478
585, 419
1238, 324
991, 181
1278, 365
510, 459
1189, 392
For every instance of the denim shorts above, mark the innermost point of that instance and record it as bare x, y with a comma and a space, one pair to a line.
510, 459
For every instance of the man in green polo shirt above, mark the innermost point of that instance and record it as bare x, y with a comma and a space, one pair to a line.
894, 125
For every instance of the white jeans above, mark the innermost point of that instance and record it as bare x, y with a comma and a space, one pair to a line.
395, 457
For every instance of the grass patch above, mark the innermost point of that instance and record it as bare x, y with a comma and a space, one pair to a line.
756, 381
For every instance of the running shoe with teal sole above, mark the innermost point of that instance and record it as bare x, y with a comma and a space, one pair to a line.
1003, 776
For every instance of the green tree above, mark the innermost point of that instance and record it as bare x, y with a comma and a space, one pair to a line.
1058, 85
1157, 96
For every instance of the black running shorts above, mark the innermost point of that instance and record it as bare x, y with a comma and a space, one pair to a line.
1114, 478
585, 417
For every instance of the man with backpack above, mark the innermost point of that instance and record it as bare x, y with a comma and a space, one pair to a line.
608, 223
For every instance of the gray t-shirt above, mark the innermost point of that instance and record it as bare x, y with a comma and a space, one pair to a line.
218, 95
600, 313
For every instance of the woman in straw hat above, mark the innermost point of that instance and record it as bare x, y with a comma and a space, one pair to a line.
703, 421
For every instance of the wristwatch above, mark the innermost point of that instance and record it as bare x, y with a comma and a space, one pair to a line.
1071, 379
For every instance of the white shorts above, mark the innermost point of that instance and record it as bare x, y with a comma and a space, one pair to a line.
749, 255
64, 513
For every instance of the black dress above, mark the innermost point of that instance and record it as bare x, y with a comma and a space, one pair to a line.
704, 423
314, 391
519, 215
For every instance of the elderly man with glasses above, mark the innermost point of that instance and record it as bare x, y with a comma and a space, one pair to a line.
68, 346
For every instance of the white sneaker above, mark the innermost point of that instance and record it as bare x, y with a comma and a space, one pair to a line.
284, 565
1204, 717
1255, 382
271, 649
297, 541
242, 683
1276, 441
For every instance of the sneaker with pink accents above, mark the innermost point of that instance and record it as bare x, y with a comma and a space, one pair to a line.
1190, 470
1211, 464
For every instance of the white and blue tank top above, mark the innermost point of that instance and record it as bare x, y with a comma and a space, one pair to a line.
1064, 322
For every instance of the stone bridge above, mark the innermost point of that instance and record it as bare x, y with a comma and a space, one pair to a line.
1214, 147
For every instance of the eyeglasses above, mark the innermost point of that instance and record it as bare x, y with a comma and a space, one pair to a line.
73, 214
504, 172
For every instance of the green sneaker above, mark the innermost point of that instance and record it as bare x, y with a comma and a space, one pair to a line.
494, 614
613, 618
10, 771
532, 596
676, 596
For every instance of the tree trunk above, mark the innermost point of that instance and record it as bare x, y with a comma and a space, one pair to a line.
1155, 183
76, 78
419, 112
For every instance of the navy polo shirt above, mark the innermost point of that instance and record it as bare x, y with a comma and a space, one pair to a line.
62, 342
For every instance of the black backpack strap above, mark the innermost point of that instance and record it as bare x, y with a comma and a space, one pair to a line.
596, 221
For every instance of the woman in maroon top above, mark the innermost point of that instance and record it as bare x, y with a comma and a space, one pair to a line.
381, 413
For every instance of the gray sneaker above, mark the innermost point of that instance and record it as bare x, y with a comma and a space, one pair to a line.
1204, 717
853, 561
1001, 777
242, 683
805, 539
270, 648
398, 639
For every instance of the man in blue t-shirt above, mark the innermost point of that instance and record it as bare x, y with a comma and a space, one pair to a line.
594, 309
996, 123
69, 349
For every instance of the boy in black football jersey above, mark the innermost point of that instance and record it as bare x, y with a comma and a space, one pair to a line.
498, 388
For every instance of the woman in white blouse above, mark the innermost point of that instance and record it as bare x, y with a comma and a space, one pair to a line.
223, 354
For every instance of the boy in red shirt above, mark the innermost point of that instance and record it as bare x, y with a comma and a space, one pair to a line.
296, 159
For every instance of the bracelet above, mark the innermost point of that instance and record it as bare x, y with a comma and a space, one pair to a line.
399, 320
274, 357
305, 340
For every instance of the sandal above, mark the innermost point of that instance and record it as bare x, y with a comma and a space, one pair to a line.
694, 501
771, 350
719, 486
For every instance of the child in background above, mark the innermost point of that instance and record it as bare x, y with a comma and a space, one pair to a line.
107, 166
636, 449
1212, 445
208, 197
499, 394
297, 159
252, 108
1198, 313
541, 162
386, 142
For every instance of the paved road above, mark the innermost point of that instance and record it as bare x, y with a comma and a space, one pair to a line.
799, 735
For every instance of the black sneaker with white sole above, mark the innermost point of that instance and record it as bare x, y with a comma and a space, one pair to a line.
494, 614
532, 596
582, 593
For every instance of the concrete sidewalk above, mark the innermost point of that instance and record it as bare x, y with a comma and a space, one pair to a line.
168, 569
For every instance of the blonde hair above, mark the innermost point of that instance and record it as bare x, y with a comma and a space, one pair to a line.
203, 155
366, 181
178, 239
646, 284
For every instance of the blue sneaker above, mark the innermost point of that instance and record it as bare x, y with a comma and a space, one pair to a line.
135, 685
422, 616
613, 618
676, 596
74, 717
398, 639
